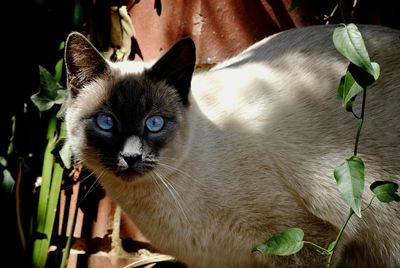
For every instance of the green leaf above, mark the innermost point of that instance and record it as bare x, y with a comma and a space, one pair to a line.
347, 90
361, 77
377, 70
332, 246
66, 155
7, 181
285, 243
78, 13
350, 180
385, 191
61, 96
48, 199
65, 152
349, 42
50, 92
62, 110
58, 70
61, 46
3, 161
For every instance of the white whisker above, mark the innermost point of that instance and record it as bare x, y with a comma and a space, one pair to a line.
92, 187
181, 174
80, 181
87, 176
174, 193
159, 186
176, 170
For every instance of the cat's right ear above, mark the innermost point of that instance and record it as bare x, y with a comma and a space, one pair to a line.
83, 62
176, 67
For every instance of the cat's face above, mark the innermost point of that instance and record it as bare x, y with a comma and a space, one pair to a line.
127, 121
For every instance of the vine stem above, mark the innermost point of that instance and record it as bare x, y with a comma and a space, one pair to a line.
351, 212
361, 118
369, 204
321, 249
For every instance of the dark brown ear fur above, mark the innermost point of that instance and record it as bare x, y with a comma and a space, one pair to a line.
83, 62
176, 67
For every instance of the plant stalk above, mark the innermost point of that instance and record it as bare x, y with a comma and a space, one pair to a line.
48, 199
351, 212
322, 250
361, 122
67, 248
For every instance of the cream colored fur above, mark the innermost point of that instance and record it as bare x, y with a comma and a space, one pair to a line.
256, 155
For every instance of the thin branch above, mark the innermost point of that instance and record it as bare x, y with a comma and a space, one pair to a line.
369, 204
322, 250
327, 18
351, 212
361, 121
355, 115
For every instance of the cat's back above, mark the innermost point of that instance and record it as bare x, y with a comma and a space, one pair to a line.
316, 40
296, 67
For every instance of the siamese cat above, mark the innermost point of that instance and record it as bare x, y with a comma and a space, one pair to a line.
210, 164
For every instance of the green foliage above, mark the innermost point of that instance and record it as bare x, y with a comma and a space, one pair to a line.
385, 191
48, 200
285, 243
65, 151
349, 42
50, 92
350, 181
361, 71
7, 181
347, 90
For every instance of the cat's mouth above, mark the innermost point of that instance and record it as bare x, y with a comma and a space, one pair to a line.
133, 172
129, 175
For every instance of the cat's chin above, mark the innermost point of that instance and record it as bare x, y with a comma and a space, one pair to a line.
130, 175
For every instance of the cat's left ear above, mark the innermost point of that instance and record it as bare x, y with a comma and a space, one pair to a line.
83, 62
176, 67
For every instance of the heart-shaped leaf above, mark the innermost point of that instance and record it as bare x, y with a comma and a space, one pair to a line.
362, 77
347, 90
349, 42
385, 191
285, 243
350, 180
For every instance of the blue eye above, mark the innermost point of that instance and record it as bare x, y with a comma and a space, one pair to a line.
105, 121
155, 123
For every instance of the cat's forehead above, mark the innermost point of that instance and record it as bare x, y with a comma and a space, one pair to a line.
127, 94
138, 93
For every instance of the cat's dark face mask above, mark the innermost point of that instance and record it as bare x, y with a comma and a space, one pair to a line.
132, 127
130, 118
